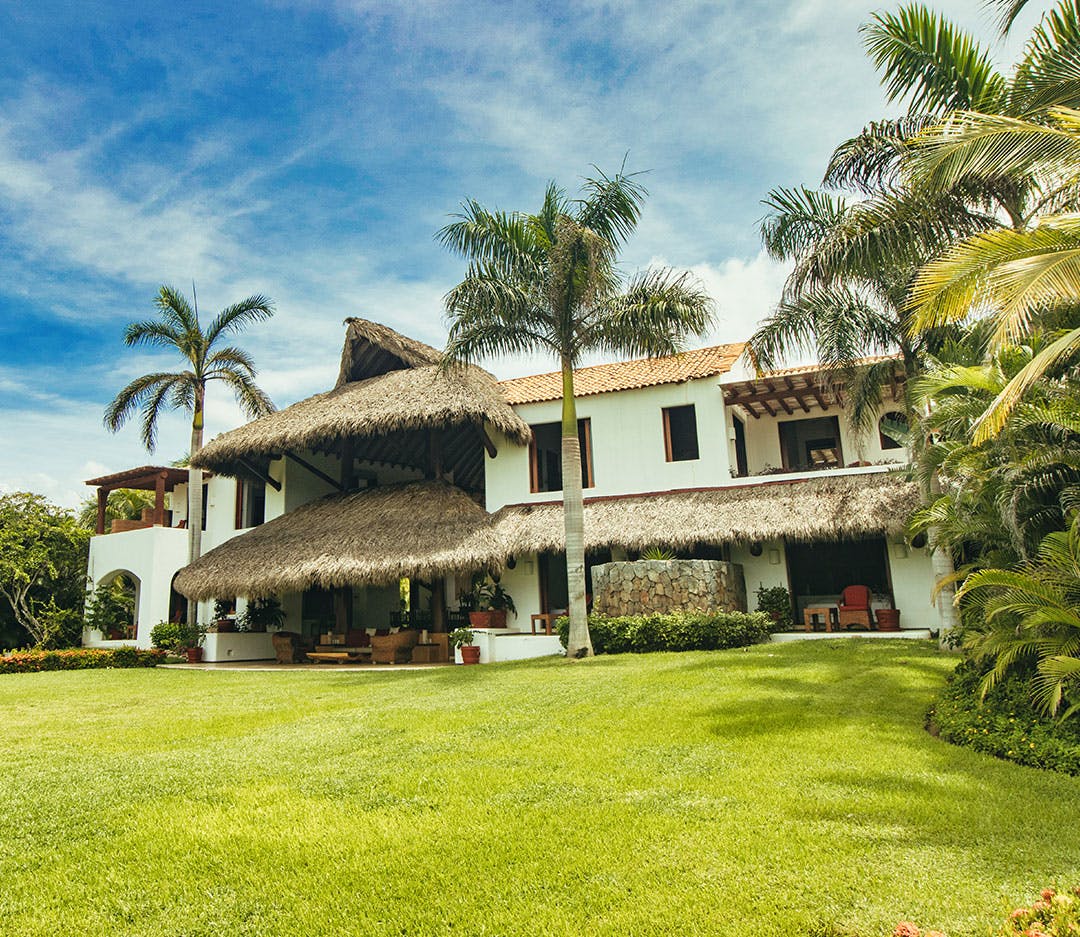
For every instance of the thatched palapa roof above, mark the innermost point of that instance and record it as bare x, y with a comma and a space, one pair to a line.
837, 507
373, 537
388, 384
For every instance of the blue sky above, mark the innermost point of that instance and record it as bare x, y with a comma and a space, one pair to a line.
309, 151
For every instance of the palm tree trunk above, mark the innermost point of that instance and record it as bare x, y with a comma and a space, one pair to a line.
579, 644
195, 503
941, 560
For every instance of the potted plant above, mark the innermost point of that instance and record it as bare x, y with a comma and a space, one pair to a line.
775, 601
499, 602
888, 619
488, 602
261, 614
224, 616
189, 641
463, 639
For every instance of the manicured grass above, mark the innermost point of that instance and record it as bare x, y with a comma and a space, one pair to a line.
766, 791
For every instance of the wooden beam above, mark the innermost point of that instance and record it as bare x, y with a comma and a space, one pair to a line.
748, 409
488, 444
348, 476
820, 398
260, 474
343, 607
159, 499
434, 466
783, 403
318, 473
768, 409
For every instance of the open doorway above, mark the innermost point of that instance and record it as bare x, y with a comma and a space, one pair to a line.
820, 571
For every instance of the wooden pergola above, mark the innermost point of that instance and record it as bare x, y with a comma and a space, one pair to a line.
156, 478
802, 389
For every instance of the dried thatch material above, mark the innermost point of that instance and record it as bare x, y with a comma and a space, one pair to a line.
376, 537
837, 507
372, 348
410, 399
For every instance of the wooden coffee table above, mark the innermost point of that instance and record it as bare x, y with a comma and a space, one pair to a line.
824, 611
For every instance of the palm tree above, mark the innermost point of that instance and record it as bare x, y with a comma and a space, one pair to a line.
548, 282
177, 328
1034, 613
1015, 275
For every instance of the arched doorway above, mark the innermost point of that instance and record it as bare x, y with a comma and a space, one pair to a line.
113, 606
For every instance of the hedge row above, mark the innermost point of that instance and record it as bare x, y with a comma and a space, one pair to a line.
678, 631
78, 659
1004, 724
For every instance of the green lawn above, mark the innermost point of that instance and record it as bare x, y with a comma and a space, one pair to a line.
764, 791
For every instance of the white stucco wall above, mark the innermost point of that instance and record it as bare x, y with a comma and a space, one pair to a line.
152, 555
627, 444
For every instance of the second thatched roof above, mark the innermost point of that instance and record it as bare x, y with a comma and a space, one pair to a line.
375, 537
830, 508
410, 399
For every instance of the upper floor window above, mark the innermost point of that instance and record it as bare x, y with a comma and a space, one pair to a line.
680, 433
811, 444
891, 422
545, 456
250, 503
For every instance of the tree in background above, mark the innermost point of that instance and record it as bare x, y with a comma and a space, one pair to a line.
548, 282
125, 504
178, 329
43, 553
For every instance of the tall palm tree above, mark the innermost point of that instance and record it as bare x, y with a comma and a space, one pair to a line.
177, 328
548, 282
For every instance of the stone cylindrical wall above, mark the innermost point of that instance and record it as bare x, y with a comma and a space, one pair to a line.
642, 586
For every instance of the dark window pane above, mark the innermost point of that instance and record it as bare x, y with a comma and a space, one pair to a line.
681, 427
546, 468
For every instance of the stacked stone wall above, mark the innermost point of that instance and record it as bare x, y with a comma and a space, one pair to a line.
642, 586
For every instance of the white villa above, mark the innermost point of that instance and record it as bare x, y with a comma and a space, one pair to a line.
403, 471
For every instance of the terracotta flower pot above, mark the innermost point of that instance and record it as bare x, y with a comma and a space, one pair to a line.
194, 655
498, 618
480, 619
470, 654
888, 619
225, 625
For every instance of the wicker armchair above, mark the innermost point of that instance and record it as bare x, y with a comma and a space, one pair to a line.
854, 607
288, 646
394, 648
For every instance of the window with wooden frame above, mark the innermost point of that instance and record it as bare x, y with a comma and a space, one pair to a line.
680, 433
545, 456
250, 503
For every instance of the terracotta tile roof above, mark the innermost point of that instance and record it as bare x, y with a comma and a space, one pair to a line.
626, 375
813, 368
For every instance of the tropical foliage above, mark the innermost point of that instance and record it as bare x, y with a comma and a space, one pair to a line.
549, 283
178, 329
125, 504
43, 554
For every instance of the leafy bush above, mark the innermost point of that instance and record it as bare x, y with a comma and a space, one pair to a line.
775, 601
677, 631
1004, 724
79, 659
175, 635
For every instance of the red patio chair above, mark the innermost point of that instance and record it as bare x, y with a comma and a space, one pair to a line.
855, 607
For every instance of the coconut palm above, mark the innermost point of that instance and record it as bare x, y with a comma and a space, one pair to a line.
548, 282
177, 328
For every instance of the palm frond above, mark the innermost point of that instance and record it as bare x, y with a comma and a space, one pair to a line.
611, 206
257, 308
926, 60
1049, 72
870, 161
798, 219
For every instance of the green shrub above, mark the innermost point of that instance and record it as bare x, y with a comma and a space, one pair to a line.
79, 659
175, 635
1004, 724
677, 631
775, 601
